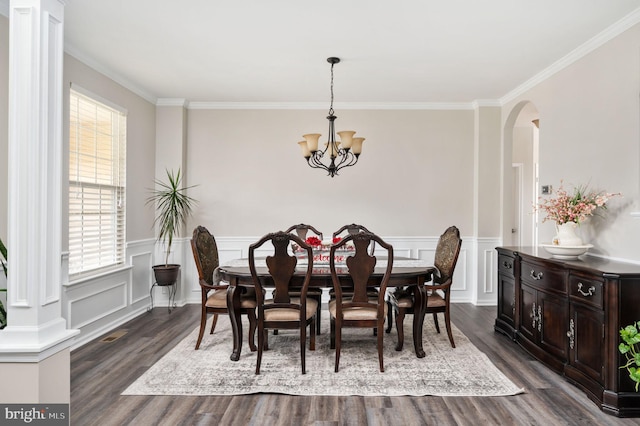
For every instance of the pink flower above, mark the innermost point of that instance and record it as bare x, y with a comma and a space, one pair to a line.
573, 208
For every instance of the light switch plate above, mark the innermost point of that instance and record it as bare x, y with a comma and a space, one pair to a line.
546, 189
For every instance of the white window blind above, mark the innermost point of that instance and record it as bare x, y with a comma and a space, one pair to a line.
97, 148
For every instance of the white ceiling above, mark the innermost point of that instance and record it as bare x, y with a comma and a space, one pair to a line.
393, 52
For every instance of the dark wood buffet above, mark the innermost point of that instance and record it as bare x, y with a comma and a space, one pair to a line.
568, 314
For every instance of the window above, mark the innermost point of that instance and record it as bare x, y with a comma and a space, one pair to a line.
97, 147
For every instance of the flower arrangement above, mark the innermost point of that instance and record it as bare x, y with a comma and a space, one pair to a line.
321, 250
317, 242
574, 207
313, 241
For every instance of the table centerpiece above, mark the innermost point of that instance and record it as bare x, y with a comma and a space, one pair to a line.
322, 251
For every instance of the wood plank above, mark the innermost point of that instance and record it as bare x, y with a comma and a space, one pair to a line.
101, 371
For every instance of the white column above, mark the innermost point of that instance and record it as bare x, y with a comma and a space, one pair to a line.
36, 341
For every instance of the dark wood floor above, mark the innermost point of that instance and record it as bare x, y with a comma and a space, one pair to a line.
101, 371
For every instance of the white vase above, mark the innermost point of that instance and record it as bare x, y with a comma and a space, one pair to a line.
566, 235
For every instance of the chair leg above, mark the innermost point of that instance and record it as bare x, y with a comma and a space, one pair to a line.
214, 322
380, 336
338, 338
203, 324
389, 317
303, 345
266, 340
447, 322
312, 340
261, 342
435, 321
400, 328
252, 330
332, 337
318, 315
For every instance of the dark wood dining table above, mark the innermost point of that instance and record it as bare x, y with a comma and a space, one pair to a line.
405, 272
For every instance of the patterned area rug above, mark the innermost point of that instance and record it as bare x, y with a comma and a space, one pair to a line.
463, 371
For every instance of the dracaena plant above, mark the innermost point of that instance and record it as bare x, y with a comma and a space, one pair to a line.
630, 348
173, 207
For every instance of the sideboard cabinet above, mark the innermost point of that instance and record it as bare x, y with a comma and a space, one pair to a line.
568, 314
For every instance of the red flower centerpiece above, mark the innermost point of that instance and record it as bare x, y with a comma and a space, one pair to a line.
314, 241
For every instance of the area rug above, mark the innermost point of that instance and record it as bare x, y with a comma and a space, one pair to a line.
445, 371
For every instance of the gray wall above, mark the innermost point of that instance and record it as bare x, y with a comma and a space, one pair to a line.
414, 177
590, 133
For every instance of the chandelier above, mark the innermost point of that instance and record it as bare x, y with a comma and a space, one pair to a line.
341, 154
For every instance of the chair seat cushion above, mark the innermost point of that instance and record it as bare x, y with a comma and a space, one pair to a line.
405, 302
289, 314
433, 301
218, 299
359, 313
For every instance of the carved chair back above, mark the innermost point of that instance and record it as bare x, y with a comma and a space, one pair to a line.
446, 256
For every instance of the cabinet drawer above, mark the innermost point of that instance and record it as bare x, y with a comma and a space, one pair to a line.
543, 277
585, 290
506, 265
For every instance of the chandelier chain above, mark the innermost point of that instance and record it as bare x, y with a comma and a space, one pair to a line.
331, 107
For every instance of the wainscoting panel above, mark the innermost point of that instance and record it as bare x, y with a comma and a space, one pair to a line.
486, 272
141, 280
111, 298
98, 305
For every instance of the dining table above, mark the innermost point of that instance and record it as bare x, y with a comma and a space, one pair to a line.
406, 272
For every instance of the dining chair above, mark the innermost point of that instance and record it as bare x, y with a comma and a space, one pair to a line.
284, 311
301, 231
351, 229
213, 292
358, 309
401, 302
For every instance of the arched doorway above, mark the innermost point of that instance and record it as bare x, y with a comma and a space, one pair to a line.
520, 185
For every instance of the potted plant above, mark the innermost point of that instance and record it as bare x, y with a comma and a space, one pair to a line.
630, 348
173, 207
3, 261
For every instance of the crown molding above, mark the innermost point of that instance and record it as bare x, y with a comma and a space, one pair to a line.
177, 102
338, 106
589, 46
124, 82
486, 103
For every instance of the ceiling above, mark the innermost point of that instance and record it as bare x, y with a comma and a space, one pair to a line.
392, 52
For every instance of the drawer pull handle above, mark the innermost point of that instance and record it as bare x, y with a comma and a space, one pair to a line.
535, 276
589, 291
507, 265
571, 334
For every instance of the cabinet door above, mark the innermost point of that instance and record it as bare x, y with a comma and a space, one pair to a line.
586, 341
528, 313
554, 324
507, 299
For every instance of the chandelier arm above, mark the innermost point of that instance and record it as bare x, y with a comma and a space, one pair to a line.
343, 157
315, 163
